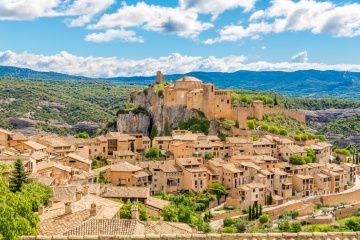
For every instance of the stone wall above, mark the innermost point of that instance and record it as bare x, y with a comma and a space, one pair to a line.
238, 236
320, 220
294, 114
347, 211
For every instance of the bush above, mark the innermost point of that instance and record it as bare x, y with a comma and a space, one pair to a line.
296, 159
228, 230
283, 132
240, 225
274, 129
296, 227
153, 153
342, 151
264, 218
353, 224
229, 222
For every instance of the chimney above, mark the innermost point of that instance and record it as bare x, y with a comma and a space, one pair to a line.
161, 221
41, 210
148, 221
93, 210
68, 208
134, 212
79, 195
51, 202
86, 190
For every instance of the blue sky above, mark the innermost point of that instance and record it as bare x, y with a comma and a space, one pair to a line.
110, 38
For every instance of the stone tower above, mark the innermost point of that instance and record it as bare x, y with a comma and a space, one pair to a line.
159, 77
209, 100
258, 109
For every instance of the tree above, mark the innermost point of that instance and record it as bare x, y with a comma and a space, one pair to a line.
125, 211
218, 189
270, 199
353, 224
256, 211
275, 101
308, 159
132, 146
264, 218
260, 210
296, 227
152, 153
237, 124
19, 176
283, 131
251, 124
285, 226
102, 178
245, 99
274, 129
228, 222
82, 135
250, 213
240, 225
264, 127
170, 213
296, 159
325, 210
343, 203
311, 153
167, 131
310, 214
209, 155
293, 214
153, 132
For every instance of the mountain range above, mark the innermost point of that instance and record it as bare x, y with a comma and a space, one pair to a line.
304, 83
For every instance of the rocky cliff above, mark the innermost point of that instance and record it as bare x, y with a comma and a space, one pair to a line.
158, 114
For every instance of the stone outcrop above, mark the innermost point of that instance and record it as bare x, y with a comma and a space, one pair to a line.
153, 102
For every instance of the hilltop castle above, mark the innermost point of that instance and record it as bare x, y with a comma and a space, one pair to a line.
194, 94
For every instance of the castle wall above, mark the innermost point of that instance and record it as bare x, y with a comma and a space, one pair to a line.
170, 97
297, 115
223, 104
195, 100
181, 97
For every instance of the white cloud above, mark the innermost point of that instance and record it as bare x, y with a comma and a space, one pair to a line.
263, 47
84, 10
64, 62
154, 18
114, 34
304, 15
301, 57
215, 7
87, 9
26, 10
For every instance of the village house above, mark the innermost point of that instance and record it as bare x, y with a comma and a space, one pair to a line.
118, 141
303, 185
322, 151
232, 177
162, 142
246, 195
76, 161
286, 151
5, 137
282, 183
194, 174
180, 149
127, 175
123, 156
167, 177
322, 183
238, 146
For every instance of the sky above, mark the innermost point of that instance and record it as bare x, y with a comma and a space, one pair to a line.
109, 38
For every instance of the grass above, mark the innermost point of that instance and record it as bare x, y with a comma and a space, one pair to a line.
158, 196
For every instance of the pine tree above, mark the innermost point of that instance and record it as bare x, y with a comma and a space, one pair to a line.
275, 101
250, 213
19, 176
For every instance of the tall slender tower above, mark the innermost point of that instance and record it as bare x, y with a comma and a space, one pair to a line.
159, 77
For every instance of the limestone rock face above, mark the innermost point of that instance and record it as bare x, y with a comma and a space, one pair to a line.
158, 114
133, 123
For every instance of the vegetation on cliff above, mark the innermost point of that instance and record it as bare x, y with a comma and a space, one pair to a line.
66, 101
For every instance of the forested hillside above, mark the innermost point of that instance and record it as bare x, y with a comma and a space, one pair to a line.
67, 101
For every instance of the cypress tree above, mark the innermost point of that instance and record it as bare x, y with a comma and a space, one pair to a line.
266, 197
250, 212
270, 199
253, 213
260, 210
275, 101
257, 212
132, 147
19, 176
